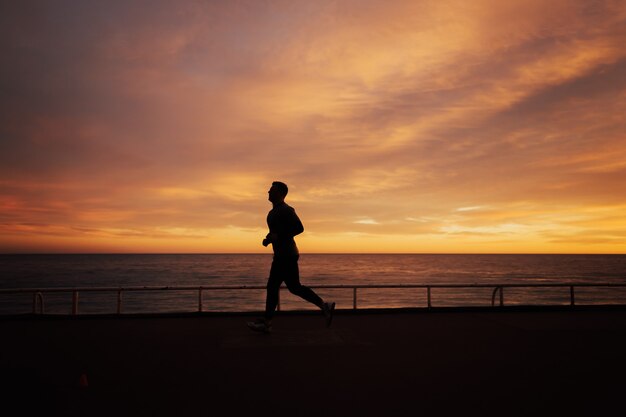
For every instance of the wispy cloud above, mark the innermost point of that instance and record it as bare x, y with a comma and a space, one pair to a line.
428, 125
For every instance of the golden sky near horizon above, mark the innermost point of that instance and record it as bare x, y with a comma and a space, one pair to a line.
400, 126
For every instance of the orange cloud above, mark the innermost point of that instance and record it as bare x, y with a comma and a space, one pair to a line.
400, 126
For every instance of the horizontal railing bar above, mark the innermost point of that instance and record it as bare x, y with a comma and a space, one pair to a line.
75, 291
330, 286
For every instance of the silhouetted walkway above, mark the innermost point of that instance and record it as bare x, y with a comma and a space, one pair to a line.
384, 364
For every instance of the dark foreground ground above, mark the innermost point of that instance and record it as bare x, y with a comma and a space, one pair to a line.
385, 363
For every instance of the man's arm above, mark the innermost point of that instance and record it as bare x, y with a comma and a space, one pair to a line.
296, 226
289, 226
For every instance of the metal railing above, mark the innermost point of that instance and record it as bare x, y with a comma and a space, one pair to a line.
498, 289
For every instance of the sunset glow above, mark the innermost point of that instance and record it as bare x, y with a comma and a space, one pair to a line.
400, 126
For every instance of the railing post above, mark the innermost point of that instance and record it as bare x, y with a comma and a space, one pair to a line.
354, 301
75, 303
571, 295
38, 296
428, 297
493, 296
200, 300
119, 301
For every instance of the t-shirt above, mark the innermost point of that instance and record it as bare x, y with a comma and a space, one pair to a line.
283, 220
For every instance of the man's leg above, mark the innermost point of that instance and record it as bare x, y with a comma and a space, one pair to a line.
292, 279
271, 301
273, 288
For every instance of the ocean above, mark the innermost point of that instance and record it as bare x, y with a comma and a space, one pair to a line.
52, 271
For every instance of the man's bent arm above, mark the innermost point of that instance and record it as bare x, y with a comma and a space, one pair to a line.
295, 225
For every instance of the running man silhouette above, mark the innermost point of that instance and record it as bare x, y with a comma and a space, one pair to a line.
284, 224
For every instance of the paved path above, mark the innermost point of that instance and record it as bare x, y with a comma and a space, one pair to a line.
375, 363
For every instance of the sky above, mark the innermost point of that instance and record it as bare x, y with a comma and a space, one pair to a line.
413, 126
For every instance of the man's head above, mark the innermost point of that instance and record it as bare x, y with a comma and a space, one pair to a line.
278, 191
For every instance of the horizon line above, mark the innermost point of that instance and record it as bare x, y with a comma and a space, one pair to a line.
308, 253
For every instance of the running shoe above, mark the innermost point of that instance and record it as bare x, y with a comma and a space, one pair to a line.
260, 325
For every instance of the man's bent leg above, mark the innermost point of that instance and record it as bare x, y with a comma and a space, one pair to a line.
292, 279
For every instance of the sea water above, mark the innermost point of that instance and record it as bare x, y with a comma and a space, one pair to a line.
53, 271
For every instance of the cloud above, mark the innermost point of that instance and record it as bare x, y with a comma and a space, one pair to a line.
470, 117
